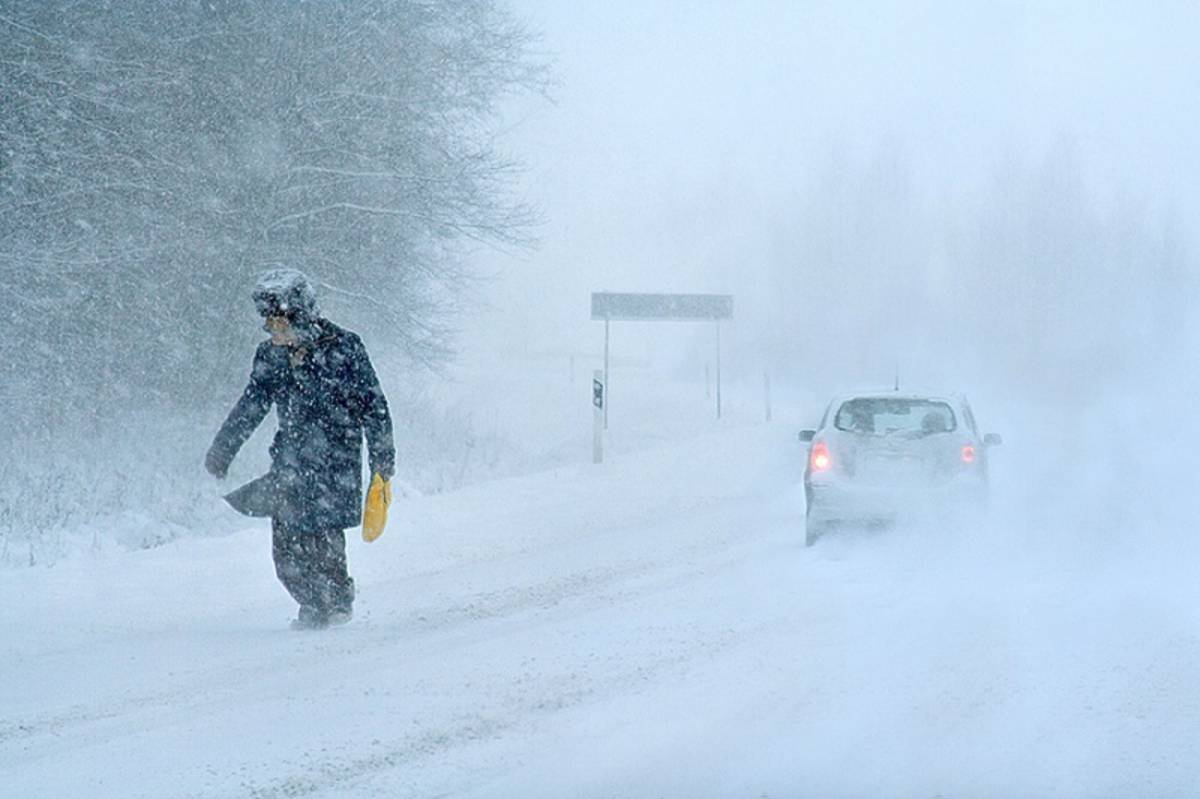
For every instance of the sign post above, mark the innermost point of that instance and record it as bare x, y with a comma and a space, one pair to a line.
598, 404
606, 371
718, 369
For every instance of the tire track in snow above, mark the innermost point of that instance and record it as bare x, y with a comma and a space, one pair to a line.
327, 773
29, 739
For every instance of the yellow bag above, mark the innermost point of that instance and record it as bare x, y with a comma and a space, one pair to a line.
379, 496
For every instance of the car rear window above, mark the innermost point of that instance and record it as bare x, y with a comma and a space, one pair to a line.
886, 415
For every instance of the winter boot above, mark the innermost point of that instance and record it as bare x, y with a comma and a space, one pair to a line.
310, 618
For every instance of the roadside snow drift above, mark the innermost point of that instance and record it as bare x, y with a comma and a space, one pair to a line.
651, 626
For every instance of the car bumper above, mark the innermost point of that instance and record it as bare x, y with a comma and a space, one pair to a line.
833, 501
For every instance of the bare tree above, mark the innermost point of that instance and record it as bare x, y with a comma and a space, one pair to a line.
1031, 278
151, 162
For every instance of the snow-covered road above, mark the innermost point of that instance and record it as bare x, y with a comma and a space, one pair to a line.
649, 627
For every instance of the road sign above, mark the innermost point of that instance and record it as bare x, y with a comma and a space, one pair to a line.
598, 417
609, 307
660, 307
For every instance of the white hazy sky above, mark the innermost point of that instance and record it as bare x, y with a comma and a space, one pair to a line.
676, 121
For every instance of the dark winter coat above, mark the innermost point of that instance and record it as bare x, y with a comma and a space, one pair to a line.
326, 396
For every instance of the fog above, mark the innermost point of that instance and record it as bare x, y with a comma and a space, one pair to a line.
997, 200
980, 185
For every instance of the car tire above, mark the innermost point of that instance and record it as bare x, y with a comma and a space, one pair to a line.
813, 530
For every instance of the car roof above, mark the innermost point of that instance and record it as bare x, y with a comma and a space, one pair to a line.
909, 394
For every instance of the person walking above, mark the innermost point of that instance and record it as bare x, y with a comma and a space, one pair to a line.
326, 397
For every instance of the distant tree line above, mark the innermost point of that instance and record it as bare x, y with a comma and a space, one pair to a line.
1036, 278
155, 157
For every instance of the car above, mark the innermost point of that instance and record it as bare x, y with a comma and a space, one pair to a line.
880, 456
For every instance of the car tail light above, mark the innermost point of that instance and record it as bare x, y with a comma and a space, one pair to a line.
819, 460
968, 453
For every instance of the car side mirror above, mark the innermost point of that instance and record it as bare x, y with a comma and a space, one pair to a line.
808, 435
992, 440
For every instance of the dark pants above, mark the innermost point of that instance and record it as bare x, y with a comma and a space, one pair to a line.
312, 567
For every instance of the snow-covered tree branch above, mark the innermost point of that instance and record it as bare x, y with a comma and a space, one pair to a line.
151, 163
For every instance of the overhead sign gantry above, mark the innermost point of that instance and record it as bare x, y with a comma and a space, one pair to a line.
610, 307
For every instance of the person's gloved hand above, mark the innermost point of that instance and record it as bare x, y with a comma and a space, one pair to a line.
379, 497
216, 464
